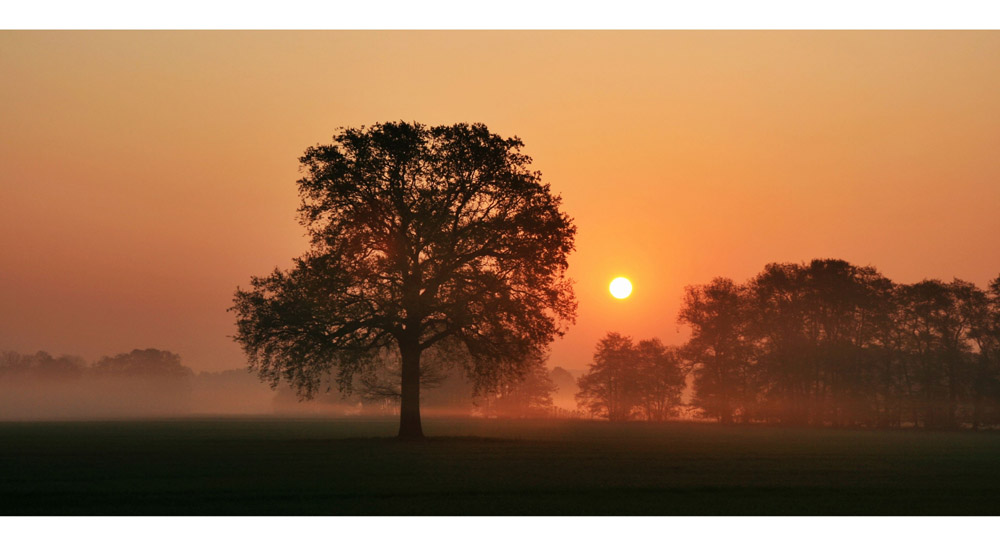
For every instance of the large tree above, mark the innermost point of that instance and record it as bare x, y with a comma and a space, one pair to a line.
422, 238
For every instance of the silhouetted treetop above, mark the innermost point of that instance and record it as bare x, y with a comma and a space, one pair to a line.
153, 363
41, 365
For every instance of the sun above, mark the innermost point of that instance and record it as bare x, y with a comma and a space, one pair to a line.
620, 287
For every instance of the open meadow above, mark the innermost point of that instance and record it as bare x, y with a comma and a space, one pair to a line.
264, 466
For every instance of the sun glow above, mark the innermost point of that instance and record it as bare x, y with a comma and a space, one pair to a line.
620, 287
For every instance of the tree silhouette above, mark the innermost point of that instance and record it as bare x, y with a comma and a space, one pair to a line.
718, 348
421, 238
143, 363
609, 389
564, 381
628, 380
661, 379
815, 328
983, 309
941, 317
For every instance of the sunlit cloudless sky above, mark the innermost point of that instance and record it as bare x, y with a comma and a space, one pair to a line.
144, 175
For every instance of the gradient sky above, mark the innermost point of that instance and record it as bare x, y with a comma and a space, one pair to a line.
144, 175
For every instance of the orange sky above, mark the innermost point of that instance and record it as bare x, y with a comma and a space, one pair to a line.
144, 175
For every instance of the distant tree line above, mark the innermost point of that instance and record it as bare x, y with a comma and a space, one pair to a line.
139, 363
150, 382
827, 343
832, 343
143, 382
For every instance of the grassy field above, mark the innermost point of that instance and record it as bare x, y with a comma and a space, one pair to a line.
318, 466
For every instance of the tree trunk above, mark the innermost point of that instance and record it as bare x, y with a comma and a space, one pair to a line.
951, 420
977, 410
409, 406
725, 412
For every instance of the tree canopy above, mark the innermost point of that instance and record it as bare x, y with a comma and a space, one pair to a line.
421, 238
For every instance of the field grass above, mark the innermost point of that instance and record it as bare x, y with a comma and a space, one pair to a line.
483, 467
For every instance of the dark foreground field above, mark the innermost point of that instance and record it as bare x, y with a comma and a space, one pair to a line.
282, 466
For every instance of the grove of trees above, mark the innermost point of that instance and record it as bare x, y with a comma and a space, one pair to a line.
831, 343
630, 380
153, 364
143, 382
826, 343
